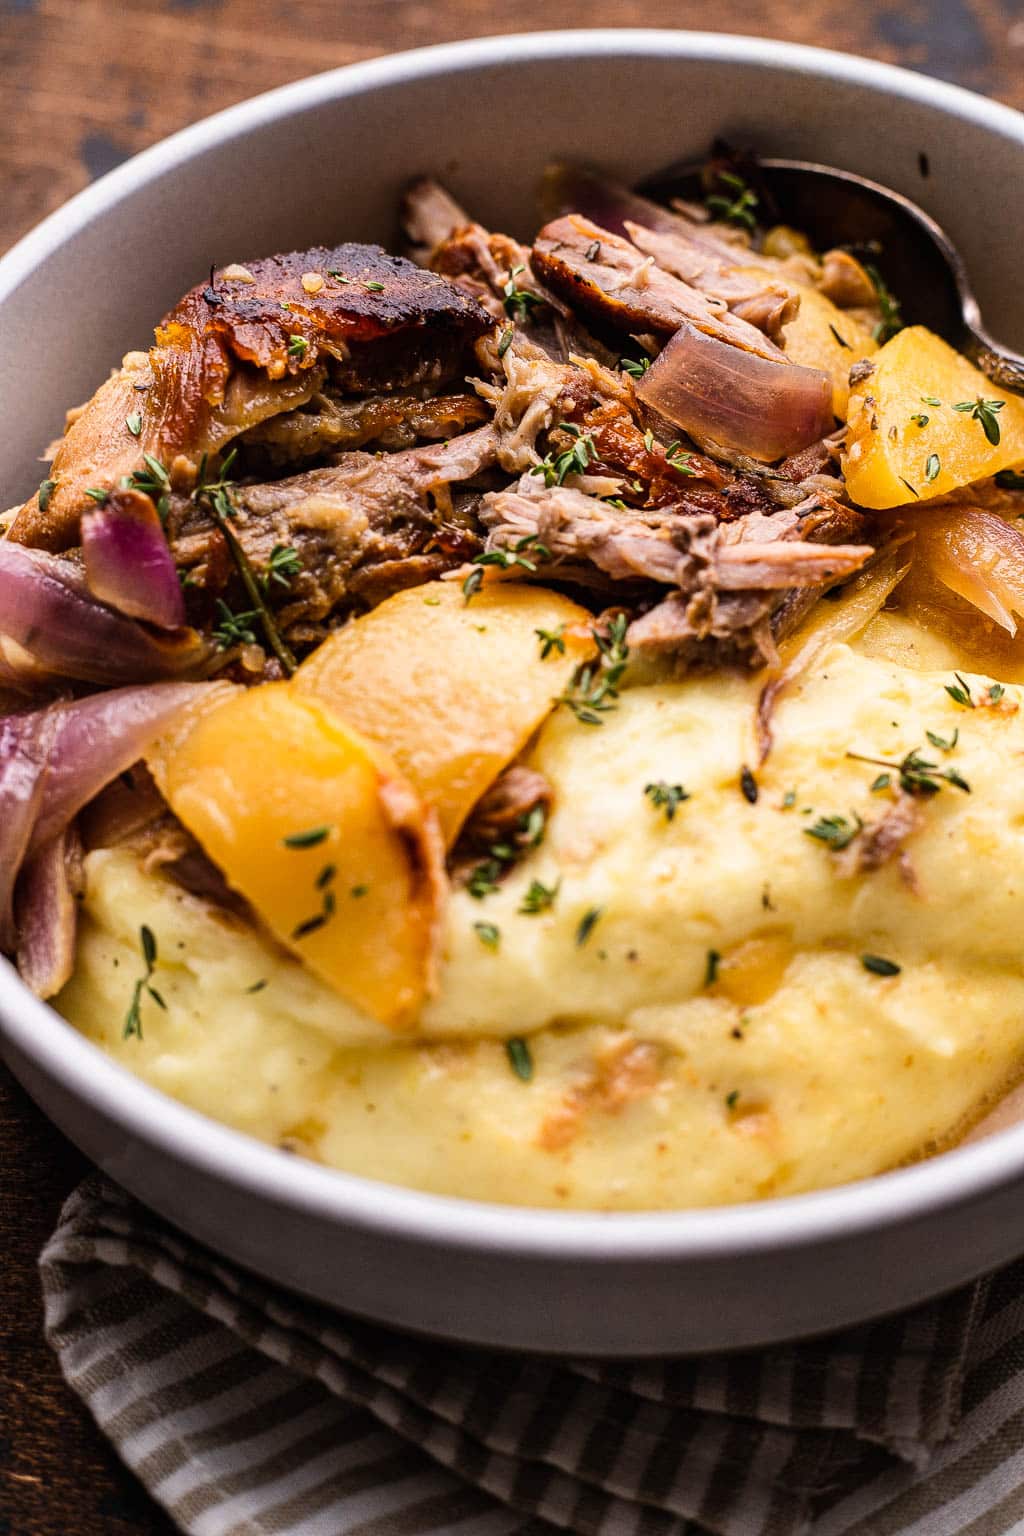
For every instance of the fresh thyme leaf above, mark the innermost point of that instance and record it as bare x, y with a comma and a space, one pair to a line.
298, 346
234, 628
944, 743
539, 897
326, 876
46, 490
879, 966
666, 797
636, 368
841, 339
920, 418
1007, 480
374, 287
586, 925
518, 301
95, 493
649, 443
910, 488
485, 878
732, 1098
282, 567
882, 782
134, 423
489, 934
472, 584
339, 277
892, 319
930, 400
984, 412
960, 693
257, 986
748, 785
308, 839
678, 459
133, 1016
555, 468
593, 691
789, 800
932, 467
917, 775
359, 891
520, 1059
551, 640
838, 832
714, 959
995, 692
309, 925
505, 340
734, 204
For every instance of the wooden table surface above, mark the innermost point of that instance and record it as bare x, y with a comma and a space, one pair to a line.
87, 83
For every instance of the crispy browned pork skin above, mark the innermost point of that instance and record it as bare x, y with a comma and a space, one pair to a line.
252, 342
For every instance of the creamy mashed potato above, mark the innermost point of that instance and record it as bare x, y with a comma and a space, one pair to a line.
701, 1023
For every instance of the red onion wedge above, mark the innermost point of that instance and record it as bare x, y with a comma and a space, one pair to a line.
128, 563
722, 394
54, 760
47, 914
976, 555
55, 625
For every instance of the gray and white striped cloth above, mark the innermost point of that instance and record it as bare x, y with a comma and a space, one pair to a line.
249, 1412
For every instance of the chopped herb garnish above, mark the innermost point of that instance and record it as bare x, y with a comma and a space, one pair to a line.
298, 346
257, 986
518, 301
678, 459
374, 287
748, 785
489, 934
636, 368
837, 831
133, 1018
984, 412
734, 205
920, 418
960, 693
574, 461
359, 891
892, 319
666, 797
593, 692
472, 584
551, 640
134, 423
917, 775
339, 277
712, 963
234, 628
284, 564
217, 496
520, 1059
527, 835
944, 743
930, 400
505, 340
841, 339
649, 443
995, 692
932, 467
539, 898
308, 839
910, 488
882, 782
1007, 480
322, 883
46, 490
789, 800
95, 493
586, 925
879, 966
732, 1099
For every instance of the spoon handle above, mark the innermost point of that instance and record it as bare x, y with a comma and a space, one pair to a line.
1001, 366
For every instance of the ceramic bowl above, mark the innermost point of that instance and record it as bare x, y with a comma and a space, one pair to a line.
321, 161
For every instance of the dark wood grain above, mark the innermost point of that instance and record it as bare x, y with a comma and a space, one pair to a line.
85, 83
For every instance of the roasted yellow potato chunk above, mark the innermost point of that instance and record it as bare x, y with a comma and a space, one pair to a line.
317, 828
925, 423
453, 690
832, 339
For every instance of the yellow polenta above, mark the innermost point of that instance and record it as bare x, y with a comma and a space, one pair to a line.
701, 1023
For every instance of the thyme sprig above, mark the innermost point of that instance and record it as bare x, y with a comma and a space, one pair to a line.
575, 460
838, 832
133, 1018
216, 494
917, 775
528, 834
518, 301
516, 554
984, 412
595, 688
734, 205
888, 303
666, 797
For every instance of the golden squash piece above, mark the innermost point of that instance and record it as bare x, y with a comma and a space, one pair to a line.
316, 827
925, 423
452, 690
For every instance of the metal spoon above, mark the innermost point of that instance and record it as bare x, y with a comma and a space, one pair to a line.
921, 263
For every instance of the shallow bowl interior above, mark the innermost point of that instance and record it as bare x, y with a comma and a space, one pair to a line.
323, 161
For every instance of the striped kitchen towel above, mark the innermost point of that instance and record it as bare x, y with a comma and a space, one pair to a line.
247, 1411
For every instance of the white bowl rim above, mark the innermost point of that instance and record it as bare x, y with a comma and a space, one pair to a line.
43, 1037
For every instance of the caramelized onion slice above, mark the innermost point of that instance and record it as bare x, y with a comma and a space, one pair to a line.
128, 563
47, 610
722, 394
828, 622
976, 555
